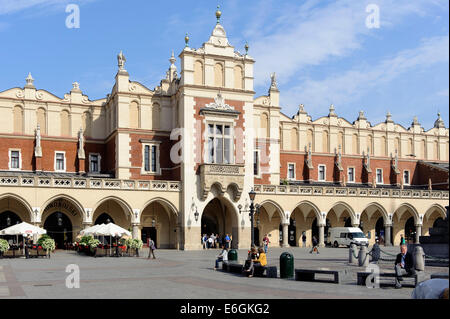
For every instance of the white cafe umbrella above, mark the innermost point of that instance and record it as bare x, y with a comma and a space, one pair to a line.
111, 230
23, 229
90, 230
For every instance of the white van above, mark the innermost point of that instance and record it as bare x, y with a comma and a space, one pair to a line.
345, 236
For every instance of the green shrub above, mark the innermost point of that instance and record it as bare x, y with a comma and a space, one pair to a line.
4, 246
42, 238
48, 244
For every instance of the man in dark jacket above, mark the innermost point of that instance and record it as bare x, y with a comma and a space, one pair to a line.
404, 265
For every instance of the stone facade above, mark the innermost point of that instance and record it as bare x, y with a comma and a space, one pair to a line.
178, 160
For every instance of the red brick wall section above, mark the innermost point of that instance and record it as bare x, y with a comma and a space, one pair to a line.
27, 150
438, 176
164, 161
264, 156
98, 149
109, 162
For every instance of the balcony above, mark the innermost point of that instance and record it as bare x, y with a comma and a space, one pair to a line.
222, 176
91, 183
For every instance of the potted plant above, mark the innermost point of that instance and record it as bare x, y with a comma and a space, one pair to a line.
93, 244
4, 247
49, 245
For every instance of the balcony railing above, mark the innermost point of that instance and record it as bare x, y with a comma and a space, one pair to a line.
80, 183
349, 191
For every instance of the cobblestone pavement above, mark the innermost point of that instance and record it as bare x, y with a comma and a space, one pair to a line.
185, 274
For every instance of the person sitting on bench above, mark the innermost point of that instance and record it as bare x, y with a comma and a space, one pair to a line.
252, 255
404, 265
260, 262
222, 257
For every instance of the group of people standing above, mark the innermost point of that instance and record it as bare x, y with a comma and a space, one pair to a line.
216, 241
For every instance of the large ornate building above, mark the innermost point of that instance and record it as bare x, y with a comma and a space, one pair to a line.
179, 160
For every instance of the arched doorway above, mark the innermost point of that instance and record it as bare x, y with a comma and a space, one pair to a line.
218, 217
59, 227
315, 230
410, 230
104, 219
379, 230
8, 219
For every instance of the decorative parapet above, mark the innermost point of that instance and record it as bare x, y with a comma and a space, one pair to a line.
222, 176
91, 183
349, 191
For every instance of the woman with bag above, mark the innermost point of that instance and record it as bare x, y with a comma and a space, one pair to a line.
151, 246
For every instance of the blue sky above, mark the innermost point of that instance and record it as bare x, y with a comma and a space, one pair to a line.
322, 51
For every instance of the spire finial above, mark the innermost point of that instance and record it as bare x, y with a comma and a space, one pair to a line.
121, 61
172, 58
218, 14
186, 39
29, 80
246, 47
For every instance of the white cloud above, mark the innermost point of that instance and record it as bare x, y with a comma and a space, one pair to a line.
311, 34
343, 88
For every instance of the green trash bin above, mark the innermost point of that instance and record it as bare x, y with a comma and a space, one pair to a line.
232, 255
286, 265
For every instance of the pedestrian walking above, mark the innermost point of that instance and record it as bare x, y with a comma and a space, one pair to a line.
304, 239
266, 242
152, 247
315, 245
204, 240
210, 242
219, 240
213, 245
402, 240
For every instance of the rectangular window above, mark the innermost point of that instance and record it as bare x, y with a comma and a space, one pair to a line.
151, 158
220, 144
15, 160
94, 163
406, 177
321, 172
351, 175
379, 176
256, 163
60, 162
291, 171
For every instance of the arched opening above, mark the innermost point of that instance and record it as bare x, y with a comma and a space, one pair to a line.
410, 230
219, 218
315, 229
269, 223
8, 219
59, 227
114, 210
104, 219
302, 218
404, 221
159, 223
379, 230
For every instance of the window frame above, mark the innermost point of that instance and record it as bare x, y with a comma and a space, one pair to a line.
376, 176
10, 159
155, 144
99, 160
409, 177
223, 136
288, 177
354, 174
324, 173
64, 161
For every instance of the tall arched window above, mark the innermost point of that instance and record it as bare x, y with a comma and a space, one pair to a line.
18, 119
397, 146
218, 75
370, 143
42, 120
86, 123
156, 118
294, 139
383, 146
436, 150
238, 77
65, 123
340, 141
325, 142
134, 115
309, 139
410, 146
355, 146
423, 149
265, 125
198, 73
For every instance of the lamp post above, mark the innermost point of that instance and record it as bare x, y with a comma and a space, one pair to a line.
252, 195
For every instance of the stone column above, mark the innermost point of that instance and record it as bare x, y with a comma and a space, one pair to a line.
418, 233
135, 232
321, 236
387, 235
285, 235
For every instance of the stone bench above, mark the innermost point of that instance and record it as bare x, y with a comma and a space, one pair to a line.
362, 276
232, 267
309, 275
270, 272
440, 275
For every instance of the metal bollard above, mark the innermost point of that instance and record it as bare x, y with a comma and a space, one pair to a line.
363, 257
351, 254
419, 259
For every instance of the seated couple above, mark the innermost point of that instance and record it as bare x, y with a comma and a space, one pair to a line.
256, 259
